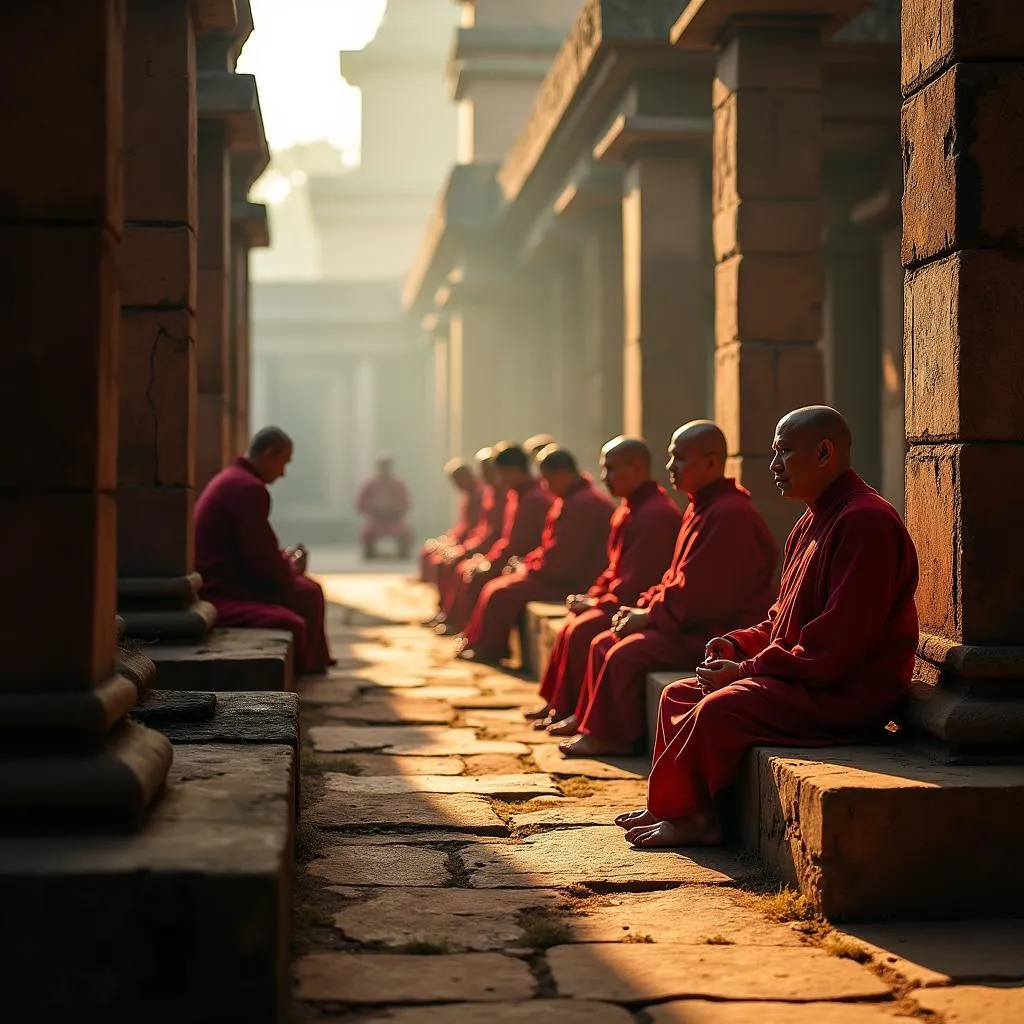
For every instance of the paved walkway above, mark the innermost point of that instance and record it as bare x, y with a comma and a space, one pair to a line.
453, 869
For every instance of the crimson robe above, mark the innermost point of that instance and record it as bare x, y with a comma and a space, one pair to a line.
721, 576
643, 532
830, 664
485, 533
384, 501
572, 552
470, 505
526, 509
246, 576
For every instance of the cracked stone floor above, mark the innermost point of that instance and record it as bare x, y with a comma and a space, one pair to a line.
453, 870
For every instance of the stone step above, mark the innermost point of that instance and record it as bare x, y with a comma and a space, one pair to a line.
187, 919
879, 832
541, 622
228, 659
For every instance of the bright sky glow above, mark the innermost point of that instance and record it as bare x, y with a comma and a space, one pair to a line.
294, 54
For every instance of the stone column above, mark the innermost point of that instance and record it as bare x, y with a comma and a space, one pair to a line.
68, 757
767, 168
963, 249
157, 584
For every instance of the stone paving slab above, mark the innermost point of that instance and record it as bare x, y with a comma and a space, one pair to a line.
974, 1004
537, 1011
329, 691
550, 759
692, 1011
609, 799
465, 812
517, 732
453, 695
382, 865
687, 915
365, 980
924, 955
518, 786
464, 919
598, 856
491, 701
412, 740
389, 711
383, 764
494, 764
641, 972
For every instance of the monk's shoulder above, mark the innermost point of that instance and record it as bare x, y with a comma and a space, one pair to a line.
737, 507
869, 514
660, 509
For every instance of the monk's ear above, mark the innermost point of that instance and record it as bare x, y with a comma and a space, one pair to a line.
825, 451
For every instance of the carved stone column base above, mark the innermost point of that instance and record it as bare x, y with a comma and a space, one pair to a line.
164, 608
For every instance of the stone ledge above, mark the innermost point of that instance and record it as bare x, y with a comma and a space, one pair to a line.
656, 684
536, 640
229, 659
186, 920
241, 717
865, 832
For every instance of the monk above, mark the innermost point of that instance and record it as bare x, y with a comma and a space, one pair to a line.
466, 482
536, 444
829, 665
721, 576
643, 533
526, 509
384, 502
246, 576
572, 552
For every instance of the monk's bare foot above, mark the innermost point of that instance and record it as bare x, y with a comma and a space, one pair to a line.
566, 727
443, 629
696, 831
544, 711
590, 746
542, 724
466, 654
634, 819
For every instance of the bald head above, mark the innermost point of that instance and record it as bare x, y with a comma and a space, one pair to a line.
812, 449
461, 474
485, 459
269, 439
625, 465
269, 452
536, 444
697, 456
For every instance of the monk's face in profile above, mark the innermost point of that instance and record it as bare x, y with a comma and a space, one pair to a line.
804, 463
621, 475
272, 464
689, 466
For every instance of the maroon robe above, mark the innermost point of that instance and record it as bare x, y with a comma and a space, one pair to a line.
721, 575
830, 664
469, 513
384, 501
572, 552
643, 533
485, 533
246, 576
526, 509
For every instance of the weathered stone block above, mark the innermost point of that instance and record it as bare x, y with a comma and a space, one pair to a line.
960, 519
937, 33
212, 364
154, 531
229, 659
158, 266
62, 555
241, 717
767, 226
749, 304
963, 315
537, 615
784, 59
756, 385
213, 436
157, 399
962, 182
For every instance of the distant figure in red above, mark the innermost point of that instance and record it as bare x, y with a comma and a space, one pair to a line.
246, 576
465, 481
830, 664
640, 546
384, 502
572, 553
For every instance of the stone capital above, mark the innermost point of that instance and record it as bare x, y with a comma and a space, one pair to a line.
631, 137
249, 223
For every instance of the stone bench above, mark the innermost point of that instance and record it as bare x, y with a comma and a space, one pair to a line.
228, 659
541, 622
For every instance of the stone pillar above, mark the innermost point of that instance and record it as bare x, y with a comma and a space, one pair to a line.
767, 169
156, 460
893, 419
963, 249
67, 754
475, 386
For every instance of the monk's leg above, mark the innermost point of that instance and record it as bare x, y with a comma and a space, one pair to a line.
258, 615
600, 647
306, 598
565, 673
464, 599
616, 719
499, 612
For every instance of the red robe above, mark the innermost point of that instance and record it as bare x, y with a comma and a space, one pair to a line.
485, 533
526, 510
643, 533
384, 501
246, 576
469, 513
572, 552
721, 576
830, 664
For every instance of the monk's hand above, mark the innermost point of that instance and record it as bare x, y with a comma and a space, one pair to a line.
719, 648
431, 545
579, 603
300, 558
714, 675
513, 566
630, 620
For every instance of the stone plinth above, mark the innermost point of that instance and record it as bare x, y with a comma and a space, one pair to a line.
539, 615
963, 249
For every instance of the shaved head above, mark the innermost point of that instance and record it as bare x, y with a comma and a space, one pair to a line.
814, 423
812, 450
696, 456
704, 437
536, 444
269, 453
269, 439
625, 465
629, 449
453, 466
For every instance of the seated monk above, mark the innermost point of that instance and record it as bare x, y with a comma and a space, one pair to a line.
465, 481
829, 665
720, 577
246, 576
485, 532
384, 502
643, 534
572, 552
526, 509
